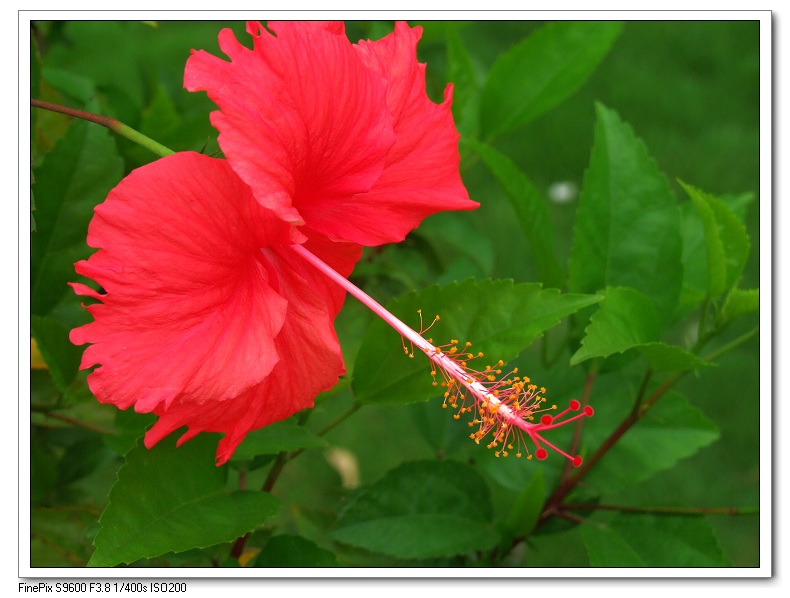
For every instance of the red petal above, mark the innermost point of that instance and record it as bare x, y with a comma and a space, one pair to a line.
421, 175
310, 362
302, 118
192, 307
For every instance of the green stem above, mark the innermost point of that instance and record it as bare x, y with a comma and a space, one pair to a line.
732, 344
111, 123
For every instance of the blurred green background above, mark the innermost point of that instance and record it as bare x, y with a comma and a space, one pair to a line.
689, 89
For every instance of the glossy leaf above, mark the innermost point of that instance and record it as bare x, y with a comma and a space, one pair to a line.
170, 499
531, 211
498, 317
421, 509
627, 229
653, 541
541, 71
625, 319
672, 430
739, 302
726, 241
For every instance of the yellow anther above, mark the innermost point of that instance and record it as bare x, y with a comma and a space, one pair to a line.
456, 416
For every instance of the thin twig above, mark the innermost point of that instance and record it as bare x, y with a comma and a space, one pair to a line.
74, 421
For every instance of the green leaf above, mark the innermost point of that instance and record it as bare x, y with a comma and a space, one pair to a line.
160, 121
541, 71
739, 302
624, 319
62, 358
422, 509
670, 358
653, 541
75, 176
130, 426
288, 550
277, 437
499, 317
531, 211
527, 507
671, 430
694, 288
627, 229
466, 88
726, 241
170, 499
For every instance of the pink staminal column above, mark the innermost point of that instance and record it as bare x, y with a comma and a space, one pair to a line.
501, 405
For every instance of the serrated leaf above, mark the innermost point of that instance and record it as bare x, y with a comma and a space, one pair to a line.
170, 499
277, 437
739, 302
541, 71
531, 211
129, 427
62, 357
75, 176
288, 550
726, 241
672, 430
627, 230
672, 541
422, 509
499, 317
625, 319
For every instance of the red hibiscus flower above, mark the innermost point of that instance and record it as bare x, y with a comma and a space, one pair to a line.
208, 316
338, 136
